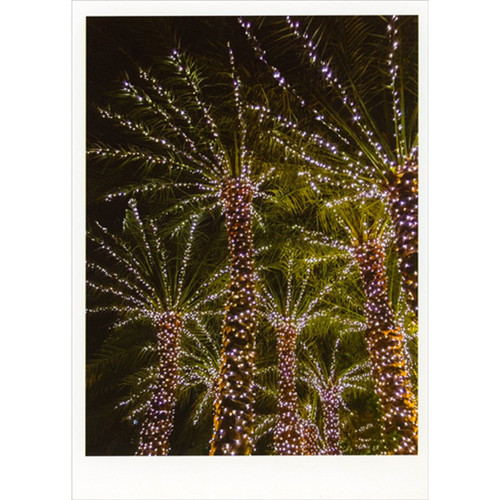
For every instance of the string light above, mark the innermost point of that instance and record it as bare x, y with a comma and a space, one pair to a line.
404, 211
234, 405
139, 281
159, 418
385, 346
303, 301
288, 435
394, 171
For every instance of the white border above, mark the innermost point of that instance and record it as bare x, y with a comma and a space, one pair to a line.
131, 478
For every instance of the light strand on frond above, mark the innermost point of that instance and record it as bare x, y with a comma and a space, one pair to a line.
185, 72
318, 298
318, 238
165, 94
280, 79
373, 194
146, 156
109, 290
289, 277
203, 290
356, 181
287, 124
394, 71
262, 179
201, 326
302, 289
186, 258
245, 158
110, 309
133, 205
328, 74
149, 187
166, 117
141, 128
201, 406
127, 260
132, 316
344, 164
132, 288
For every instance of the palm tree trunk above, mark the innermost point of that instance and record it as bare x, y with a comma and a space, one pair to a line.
310, 443
234, 405
287, 435
385, 347
404, 212
159, 422
330, 404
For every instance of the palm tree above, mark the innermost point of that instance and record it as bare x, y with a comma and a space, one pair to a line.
195, 149
293, 299
367, 227
140, 276
332, 383
363, 104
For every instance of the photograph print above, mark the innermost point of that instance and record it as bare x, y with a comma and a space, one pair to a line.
252, 235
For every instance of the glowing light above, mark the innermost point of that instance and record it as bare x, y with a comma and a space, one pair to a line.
385, 346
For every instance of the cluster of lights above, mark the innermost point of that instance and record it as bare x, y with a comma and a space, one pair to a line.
385, 346
328, 75
280, 79
158, 421
288, 435
146, 157
235, 385
139, 127
330, 402
234, 405
398, 118
330, 386
403, 195
184, 70
404, 211
293, 434
138, 282
311, 438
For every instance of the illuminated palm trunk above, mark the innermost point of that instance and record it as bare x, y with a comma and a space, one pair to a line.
330, 404
159, 420
404, 211
385, 347
287, 434
234, 404
310, 439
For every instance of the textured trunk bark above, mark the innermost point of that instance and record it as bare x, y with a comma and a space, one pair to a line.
159, 422
385, 347
404, 212
330, 403
234, 405
287, 435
